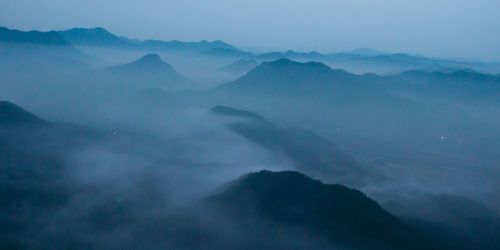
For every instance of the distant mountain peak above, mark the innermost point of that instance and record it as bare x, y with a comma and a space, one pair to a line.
286, 68
150, 59
11, 114
148, 70
284, 74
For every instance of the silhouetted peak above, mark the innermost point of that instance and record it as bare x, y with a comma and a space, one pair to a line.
11, 114
150, 59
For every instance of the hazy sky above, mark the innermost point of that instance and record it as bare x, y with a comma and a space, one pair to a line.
444, 28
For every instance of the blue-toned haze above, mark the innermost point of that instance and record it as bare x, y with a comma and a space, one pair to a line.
443, 28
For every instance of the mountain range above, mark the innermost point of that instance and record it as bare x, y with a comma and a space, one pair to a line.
285, 77
356, 60
32, 37
99, 37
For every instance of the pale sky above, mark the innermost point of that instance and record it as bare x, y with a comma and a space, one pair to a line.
440, 28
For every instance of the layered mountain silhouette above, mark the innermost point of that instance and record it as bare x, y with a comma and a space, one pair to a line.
32, 37
38, 54
145, 72
311, 153
344, 217
100, 37
362, 60
285, 77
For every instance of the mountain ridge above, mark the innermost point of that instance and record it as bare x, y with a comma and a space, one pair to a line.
32, 37
309, 152
341, 215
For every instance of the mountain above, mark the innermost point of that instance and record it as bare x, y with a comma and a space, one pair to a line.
284, 76
42, 175
342, 216
239, 67
311, 153
13, 115
34, 55
31, 37
147, 71
100, 37
96, 37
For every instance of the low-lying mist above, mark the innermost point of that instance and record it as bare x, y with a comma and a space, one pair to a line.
128, 150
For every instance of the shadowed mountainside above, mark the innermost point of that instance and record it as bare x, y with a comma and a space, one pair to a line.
312, 154
343, 216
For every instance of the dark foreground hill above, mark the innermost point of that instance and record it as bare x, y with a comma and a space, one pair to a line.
344, 217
